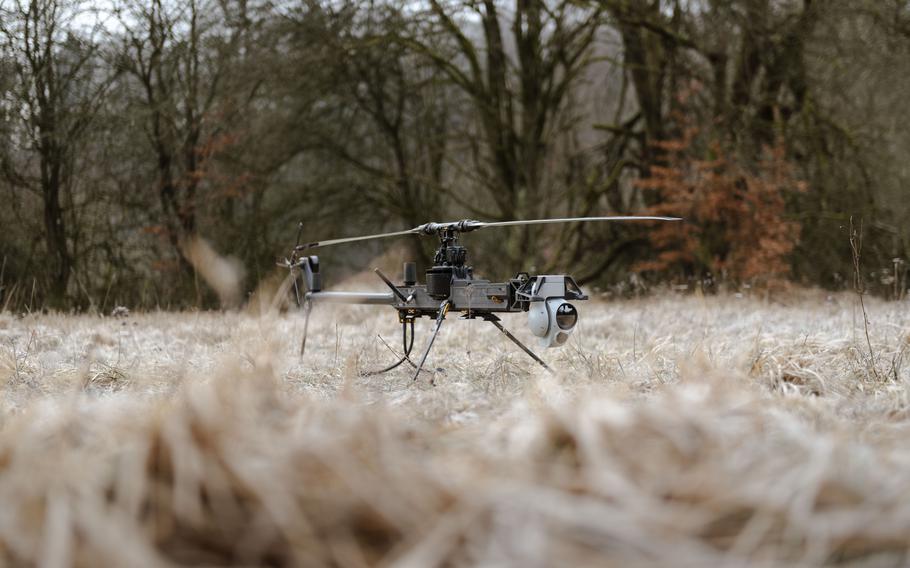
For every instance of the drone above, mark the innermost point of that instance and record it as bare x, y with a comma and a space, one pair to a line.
450, 287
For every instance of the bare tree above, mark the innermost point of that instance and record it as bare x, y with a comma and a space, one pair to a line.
518, 81
390, 110
748, 66
58, 89
180, 57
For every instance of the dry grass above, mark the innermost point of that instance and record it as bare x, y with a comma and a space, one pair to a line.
677, 431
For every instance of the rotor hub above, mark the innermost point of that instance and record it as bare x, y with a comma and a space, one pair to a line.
463, 226
450, 256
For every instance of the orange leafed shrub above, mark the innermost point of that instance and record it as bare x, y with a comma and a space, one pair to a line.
736, 225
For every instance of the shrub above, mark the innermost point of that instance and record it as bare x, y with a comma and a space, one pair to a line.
736, 224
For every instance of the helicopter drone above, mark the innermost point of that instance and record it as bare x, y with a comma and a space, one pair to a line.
450, 286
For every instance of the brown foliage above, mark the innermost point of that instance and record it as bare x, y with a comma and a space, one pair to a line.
736, 224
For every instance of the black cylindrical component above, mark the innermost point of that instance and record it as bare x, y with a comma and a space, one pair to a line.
439, 282
410, 273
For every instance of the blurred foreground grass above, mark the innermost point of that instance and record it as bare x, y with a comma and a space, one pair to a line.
676, 431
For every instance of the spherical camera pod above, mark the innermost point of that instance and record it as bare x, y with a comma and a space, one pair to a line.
552, 321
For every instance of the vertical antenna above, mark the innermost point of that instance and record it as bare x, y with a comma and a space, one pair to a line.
299, 233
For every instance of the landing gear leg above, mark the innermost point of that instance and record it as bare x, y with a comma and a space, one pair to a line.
443, 310
495, 321
307, 307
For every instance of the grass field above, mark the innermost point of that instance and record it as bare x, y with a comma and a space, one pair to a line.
675, 431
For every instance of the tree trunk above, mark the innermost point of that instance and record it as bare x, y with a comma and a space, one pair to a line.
58, 251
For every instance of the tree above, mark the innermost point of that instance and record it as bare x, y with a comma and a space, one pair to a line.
518, 84
59, 85
180, 58
385, 115
756, 63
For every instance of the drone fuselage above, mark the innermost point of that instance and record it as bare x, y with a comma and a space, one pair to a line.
450, 281
473, 297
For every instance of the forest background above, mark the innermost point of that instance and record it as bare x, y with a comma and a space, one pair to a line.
140, 136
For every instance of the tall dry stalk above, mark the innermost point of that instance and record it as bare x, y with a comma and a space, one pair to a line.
856, 248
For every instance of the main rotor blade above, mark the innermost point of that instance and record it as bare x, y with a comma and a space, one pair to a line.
483, 224
470, 225
314, 244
